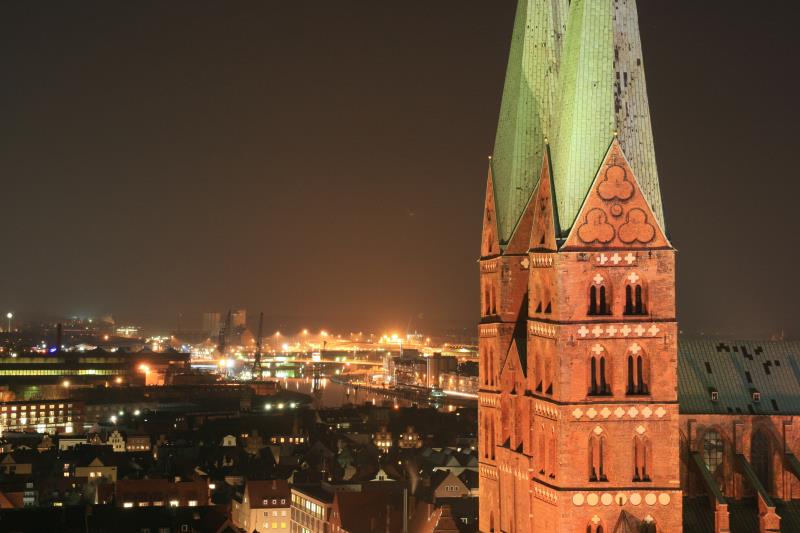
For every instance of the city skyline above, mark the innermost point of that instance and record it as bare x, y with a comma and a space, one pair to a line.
327, 163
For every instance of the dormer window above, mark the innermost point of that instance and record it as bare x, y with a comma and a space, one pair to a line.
714, 395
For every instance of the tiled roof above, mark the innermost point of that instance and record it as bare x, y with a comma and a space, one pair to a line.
261, 491
736, 370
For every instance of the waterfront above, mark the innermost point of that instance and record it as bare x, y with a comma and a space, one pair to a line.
332, 394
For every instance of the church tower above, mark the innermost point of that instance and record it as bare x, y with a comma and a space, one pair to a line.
578, 336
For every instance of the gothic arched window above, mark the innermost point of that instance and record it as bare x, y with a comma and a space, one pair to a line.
598, 370
597, 456
599, 297
634, 295
638, 372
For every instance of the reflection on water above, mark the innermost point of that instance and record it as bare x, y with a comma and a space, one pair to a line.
331, 394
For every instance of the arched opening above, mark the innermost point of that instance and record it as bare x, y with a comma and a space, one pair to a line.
595, 528
638, 374
487, 306
634, 297
761, 458
598, 384
491, 521
599, 298
597, 455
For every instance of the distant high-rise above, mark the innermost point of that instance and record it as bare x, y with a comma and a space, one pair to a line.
238, 319
211, 324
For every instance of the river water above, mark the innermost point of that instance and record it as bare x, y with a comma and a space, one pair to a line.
334, 395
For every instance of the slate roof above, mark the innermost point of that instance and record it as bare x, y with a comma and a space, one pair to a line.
735, 370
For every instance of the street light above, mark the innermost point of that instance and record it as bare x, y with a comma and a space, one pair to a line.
9, 316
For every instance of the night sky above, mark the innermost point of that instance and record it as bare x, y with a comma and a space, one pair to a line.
325, 161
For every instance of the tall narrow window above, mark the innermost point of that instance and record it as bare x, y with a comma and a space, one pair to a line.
599, 297
597, 451
603, 308
639, 305
637, 373
593, 300
641, 459
628, 300
634, 296
598, 385
713, 450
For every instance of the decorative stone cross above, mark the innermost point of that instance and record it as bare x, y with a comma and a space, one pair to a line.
635, 348
602, 259
634, 278
597, 331
630, 258
616, 258
611, 331
525, 263
598, 279
626, 330
597, 349
639, 330
653, 330
583, 331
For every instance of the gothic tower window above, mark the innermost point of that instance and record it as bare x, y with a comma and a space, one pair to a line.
634, 296
638, 372
598, 370
641, 459
595, 528
599, 297
597, 457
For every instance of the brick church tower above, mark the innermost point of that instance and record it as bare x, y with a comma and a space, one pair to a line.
578, 414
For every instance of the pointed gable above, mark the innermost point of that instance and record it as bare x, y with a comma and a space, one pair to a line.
544, 225
490, 240
615, 213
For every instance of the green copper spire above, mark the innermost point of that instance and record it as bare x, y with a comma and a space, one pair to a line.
526, 113
602, 92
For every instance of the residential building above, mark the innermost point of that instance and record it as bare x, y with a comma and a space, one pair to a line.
263, 506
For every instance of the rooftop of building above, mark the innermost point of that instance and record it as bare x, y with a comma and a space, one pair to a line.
739, 377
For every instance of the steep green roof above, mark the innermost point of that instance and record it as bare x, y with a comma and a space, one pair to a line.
602, 91
735, 370
526, 112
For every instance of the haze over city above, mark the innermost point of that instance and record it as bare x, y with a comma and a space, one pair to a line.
325, 161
